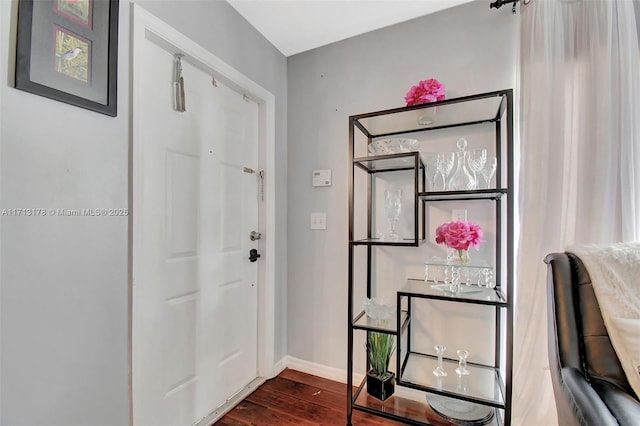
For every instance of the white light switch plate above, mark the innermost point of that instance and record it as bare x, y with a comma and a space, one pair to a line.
318, 220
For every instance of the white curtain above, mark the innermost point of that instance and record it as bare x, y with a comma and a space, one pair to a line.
579, 177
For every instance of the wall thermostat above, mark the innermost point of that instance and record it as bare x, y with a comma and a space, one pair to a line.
321, 177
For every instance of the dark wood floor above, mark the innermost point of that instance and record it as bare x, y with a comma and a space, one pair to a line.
295, 398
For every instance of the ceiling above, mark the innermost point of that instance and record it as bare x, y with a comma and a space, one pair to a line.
295, 26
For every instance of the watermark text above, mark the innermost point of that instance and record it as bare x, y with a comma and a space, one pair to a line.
62, 212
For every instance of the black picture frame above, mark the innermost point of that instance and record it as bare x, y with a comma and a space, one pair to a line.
67, 50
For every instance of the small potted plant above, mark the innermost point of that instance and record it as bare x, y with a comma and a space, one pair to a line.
380, 381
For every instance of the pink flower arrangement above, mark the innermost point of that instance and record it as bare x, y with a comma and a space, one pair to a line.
459, 235
426, 91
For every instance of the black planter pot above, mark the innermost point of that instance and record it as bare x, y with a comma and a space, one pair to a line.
381, 389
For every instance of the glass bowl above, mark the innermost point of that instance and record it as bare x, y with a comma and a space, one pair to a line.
376, 309
393, 146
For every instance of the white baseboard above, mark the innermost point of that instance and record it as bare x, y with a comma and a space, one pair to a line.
320, 370
280, 366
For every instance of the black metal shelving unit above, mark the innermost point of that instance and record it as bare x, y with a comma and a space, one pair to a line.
488, 384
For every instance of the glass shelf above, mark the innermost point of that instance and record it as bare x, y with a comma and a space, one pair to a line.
481, 385
389, 163
480, 194
468, 294
450, 113
364, 322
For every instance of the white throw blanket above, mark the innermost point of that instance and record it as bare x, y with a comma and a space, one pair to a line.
615, 273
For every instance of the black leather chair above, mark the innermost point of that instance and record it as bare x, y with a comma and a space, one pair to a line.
589, 384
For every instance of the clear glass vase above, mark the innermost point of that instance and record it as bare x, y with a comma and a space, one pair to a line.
427, 116
463, 257
458, 257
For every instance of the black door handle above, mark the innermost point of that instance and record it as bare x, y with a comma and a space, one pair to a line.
253, 255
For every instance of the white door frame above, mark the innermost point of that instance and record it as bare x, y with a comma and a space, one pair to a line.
148, 27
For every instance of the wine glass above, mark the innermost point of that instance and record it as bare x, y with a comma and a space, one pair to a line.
392, 206
439, 370
430, 160
477, 160
445, 164
488, 170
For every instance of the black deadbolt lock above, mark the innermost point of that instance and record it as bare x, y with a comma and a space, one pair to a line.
253, 255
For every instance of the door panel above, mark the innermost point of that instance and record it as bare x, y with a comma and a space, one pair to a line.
233, 347
183, 195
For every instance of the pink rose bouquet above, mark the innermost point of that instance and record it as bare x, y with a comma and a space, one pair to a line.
426, 91
459, 235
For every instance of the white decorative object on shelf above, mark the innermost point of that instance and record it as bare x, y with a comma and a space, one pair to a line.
456, 278
393, 146
376, 309
460, 412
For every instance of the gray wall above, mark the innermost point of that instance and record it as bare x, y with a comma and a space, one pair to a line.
469, 48
64, 280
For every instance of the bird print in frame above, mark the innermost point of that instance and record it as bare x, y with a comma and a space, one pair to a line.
72, 55
67, 50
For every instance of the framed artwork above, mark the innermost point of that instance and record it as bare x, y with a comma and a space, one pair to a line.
67, 50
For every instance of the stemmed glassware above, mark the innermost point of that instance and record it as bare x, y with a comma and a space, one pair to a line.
431, 168
477, 160
462, 365
471, 165
392, 207
439, 370
488, 170
445, 164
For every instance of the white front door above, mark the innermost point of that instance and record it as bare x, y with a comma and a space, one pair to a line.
195, 290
